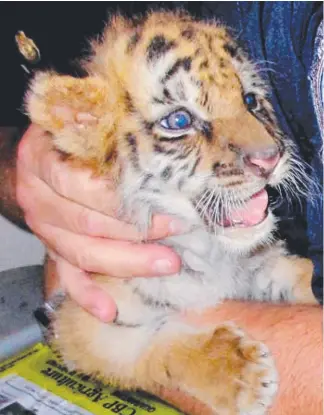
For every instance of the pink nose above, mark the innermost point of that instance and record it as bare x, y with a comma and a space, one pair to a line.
263, 163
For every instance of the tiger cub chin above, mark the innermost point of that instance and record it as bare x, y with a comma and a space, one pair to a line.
174, 111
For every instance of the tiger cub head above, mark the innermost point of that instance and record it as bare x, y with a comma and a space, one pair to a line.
198, 129
194, 131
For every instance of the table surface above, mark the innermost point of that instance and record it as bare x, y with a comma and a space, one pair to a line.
20, 295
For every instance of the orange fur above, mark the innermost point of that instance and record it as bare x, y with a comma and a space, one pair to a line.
90, 120
225, 356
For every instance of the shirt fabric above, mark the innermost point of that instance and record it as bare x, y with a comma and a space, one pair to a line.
280, 36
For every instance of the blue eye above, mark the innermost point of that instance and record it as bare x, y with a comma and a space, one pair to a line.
250, 101
178, 120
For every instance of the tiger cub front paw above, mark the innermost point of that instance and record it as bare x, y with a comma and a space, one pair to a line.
233, 375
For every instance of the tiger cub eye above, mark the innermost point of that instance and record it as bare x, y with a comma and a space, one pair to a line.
250, 101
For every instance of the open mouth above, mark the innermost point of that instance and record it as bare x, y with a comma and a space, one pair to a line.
254, 211
251, 213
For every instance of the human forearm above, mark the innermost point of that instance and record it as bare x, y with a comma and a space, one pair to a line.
294, 336
9, 139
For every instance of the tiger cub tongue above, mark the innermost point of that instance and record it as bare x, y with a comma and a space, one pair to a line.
254, 211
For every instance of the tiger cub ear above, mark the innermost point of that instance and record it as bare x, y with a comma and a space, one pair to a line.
78, 112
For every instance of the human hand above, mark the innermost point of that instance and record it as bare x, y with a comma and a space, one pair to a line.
74, 214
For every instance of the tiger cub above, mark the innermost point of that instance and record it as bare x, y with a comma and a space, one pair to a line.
173, 110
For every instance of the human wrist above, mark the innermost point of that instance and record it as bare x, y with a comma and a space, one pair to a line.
9, 140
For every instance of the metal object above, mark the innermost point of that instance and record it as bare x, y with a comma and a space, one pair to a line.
45, 312
27, 48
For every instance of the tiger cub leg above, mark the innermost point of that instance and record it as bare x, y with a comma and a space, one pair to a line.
220, 367
291, 279
80, 113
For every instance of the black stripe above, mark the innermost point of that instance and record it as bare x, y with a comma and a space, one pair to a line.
167, 372
182, 156
180, 91
233, 148
284, 295
159, 149
152, 302
265, 114
193, 170
158, 47
216, 166
267, 293
148, 126
207, 130
181, 183
131, 139
239, 58
184, 63
231, 48
167, 94
171, 151
121, 323
147, 178
204, 65
129, 102
229, 173
205, 99
138, 20
62, 154
109, 156
156, 100
171, 139
188, 33
210, 43
133, 41
197, 82
167, 173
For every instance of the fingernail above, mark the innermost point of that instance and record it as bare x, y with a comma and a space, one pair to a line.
103, 314
162, 266
52, 255
178, 227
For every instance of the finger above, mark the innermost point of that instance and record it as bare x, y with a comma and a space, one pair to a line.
85, 292
79, 186
48, 207
36, 156
116, 258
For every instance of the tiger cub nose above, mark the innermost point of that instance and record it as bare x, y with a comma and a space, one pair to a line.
262, 163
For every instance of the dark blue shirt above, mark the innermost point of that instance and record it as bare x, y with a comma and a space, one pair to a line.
282, 36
